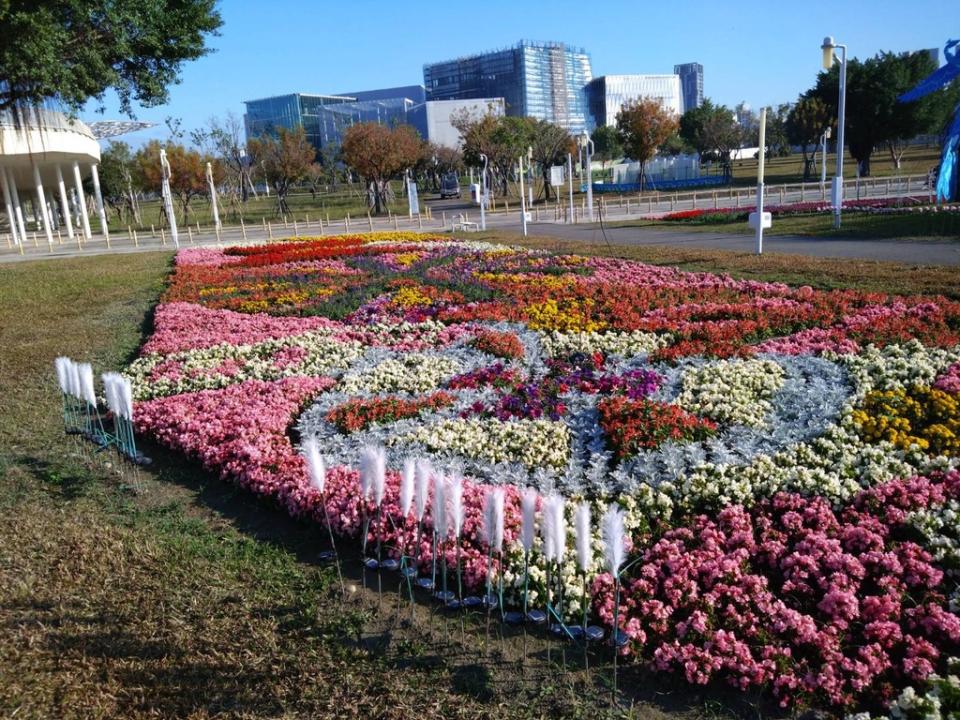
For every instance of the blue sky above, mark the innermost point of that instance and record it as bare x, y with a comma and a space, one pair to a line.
759, 52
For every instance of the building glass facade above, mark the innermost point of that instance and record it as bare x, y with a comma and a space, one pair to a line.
323, 117
691, 85
608, 93
541, 80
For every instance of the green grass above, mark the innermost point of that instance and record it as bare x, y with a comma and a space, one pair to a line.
190, 598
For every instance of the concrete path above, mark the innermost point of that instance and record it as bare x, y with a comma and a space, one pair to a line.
932, 252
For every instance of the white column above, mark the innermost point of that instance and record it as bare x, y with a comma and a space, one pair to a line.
17, 207
168, 197
84, 218
64, 203
8, 201
42, 200
213, 197
99, 199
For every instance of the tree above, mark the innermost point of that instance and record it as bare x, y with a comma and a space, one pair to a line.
286, 158
710, 129
873, 116
550, 145
606, 145
74, 50
188, 172
807, 120
502, 139
224, 139
378, 154
776, 137
117, 179
644, 125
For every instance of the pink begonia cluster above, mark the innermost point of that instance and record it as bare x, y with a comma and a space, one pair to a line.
211, 257
816, 604
240, 432
950, 380
183, 326
818, 340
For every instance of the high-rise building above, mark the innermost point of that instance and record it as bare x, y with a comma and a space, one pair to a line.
691, 84
608, 93
545, 80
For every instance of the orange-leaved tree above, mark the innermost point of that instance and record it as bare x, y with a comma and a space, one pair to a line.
379, 153
188, 172
286, 159
644, 125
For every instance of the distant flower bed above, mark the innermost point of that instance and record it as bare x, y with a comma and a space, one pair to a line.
720, 215
786, 458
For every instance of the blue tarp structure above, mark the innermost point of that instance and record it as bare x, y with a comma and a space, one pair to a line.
949, 178
686, 184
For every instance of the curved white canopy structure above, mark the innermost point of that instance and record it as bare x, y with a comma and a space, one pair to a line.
44, 156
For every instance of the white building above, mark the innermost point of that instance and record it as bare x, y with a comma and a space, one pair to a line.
608, 93
44, 156
433, 118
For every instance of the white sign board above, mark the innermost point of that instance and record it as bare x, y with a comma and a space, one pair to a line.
414, 201
556, 175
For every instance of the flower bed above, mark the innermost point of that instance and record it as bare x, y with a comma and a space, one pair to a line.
721, 215
785, 457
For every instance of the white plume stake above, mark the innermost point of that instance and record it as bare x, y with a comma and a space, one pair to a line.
88, 393
74, 375
373, 473
125, 388
61, 364
613, 538
315, 465
422, 475
439, 507
582, 528
456, 505
493, 519
559, 523
528, 506
407, 477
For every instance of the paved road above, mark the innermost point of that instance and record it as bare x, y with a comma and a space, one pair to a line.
933, 252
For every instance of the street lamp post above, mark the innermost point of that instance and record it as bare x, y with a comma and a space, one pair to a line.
823, 165
588, 149
483, 193
829, 48
523, 199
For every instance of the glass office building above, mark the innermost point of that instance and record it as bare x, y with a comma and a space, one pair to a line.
541, 80
323, 117
691, 84
608, 93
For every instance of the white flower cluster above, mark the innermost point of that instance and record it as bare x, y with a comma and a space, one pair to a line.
390, 334
197, 369
896, 366
940, 527
533, 443
611, 342
731, 391
413, 372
